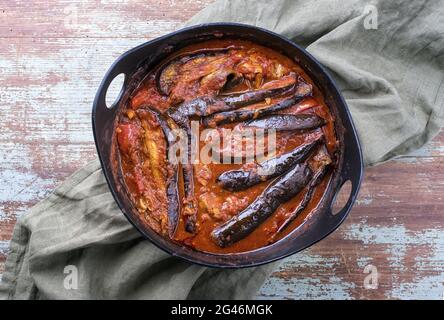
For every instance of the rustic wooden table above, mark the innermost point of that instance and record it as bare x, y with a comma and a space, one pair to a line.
53, 54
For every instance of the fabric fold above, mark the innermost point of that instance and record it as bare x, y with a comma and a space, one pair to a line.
80, 226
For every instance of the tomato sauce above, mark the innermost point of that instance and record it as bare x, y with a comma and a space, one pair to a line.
213, 69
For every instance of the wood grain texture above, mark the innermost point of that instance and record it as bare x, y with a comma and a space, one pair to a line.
53, 56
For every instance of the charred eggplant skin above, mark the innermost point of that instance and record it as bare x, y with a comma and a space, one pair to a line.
236, 180
190, 204
302, 90
315, 181
250, 97
181, 116
205, 106
280, 191
172, 183
287, 122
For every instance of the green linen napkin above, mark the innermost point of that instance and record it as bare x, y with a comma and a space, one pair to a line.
386, 56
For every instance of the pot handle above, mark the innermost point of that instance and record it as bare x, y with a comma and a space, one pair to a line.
119, 67
352, 171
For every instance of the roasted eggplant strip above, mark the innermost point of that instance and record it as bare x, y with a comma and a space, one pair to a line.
274, 88
190, 202
280, 191
320, 164
205, 106
150, 154
186, 110
153, 157
236, 180
302, 91
172, 182
235, 101
287, 122
315, 181
167, 74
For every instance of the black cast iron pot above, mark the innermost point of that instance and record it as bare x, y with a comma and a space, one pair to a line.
135, 63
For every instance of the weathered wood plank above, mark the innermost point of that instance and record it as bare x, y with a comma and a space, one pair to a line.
396, 226
49, 71
98, 18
